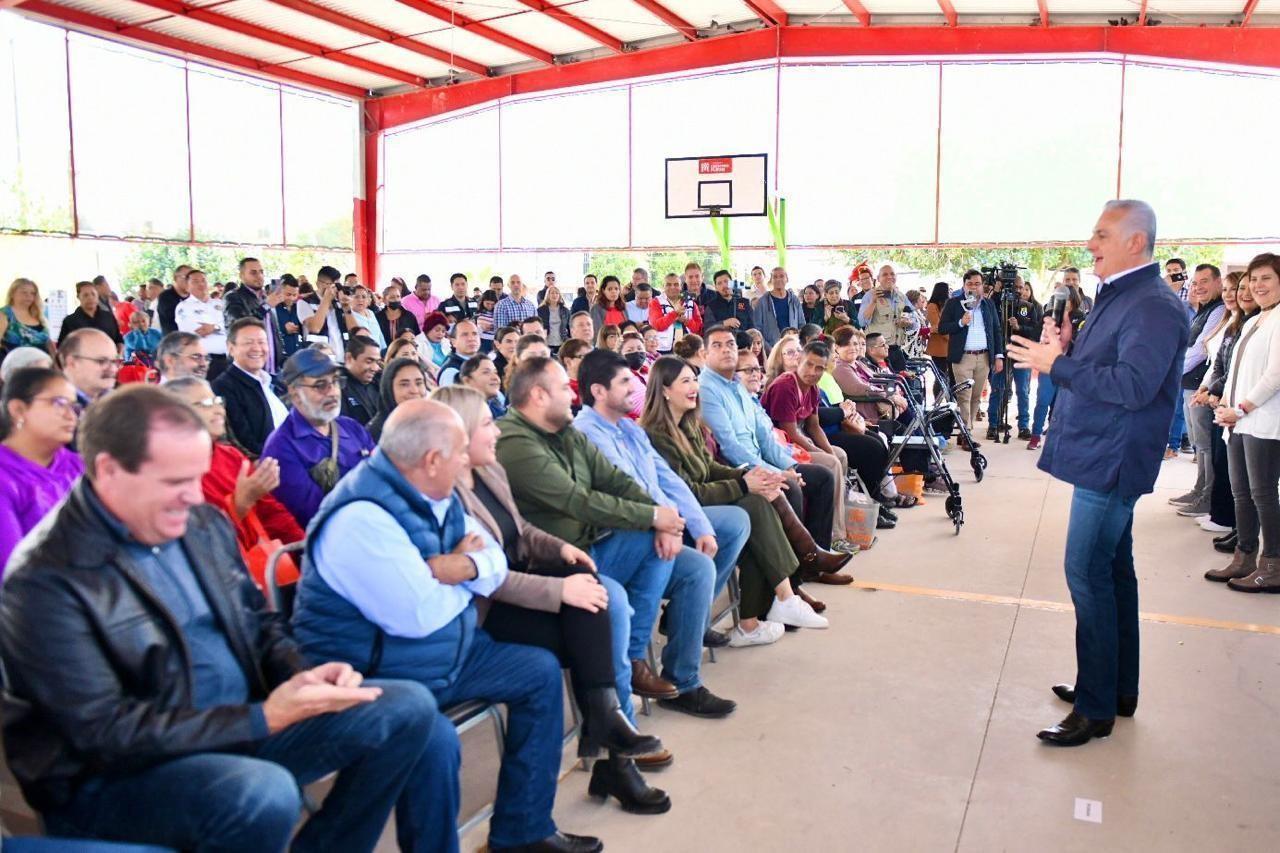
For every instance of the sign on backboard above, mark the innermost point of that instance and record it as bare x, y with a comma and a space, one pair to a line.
723, 185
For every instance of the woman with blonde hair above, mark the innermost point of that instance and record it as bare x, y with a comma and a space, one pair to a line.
22, 322
784, 357
554, 315
554, 598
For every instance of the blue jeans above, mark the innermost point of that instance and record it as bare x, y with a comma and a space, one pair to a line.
1021, 389
627, 558
1179, 426
1045, 392
250, 800
527, 680
1104, 590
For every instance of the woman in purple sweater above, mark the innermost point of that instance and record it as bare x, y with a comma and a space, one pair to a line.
38, 415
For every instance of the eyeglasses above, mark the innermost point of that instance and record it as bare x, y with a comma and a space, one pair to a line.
750, 370
208, 402
102, 361
63, 404
324, 386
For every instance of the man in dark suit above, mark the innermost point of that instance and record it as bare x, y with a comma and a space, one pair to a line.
1116, 396
975, 344
251, 395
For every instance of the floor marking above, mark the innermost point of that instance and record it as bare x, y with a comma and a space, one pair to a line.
1063, 607
1088, 810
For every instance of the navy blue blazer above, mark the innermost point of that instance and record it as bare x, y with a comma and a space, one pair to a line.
949, 324
1117, 389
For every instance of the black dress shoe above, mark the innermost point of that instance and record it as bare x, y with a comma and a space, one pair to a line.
1226, 543
1076, 730
886, 512
713, 639
884, 523
1126, 706
561, 842
700, 702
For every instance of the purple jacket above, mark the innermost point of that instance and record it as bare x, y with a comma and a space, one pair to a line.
297, 446
28, 491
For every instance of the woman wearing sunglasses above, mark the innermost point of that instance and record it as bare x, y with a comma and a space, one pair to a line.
38, 416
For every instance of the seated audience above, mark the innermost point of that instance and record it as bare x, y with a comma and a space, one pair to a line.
360, 396
582, 328
181, 354
142, 341
251, 394
651, 340
234, 484
464, 339
610, 338
182, 714
767, 563
485, 320
22, 320
38, 415
90, 314
691, 349
756, 347
565, 486
504, 348
553, 597
705, 555
89, 359
634, 355
853, 374
23, 357
532, 326
527, 346
402, 379
359, 602
744, 436
360, 315
316, 445
480, 372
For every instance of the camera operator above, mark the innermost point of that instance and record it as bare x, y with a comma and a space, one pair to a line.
885, 311
673, 314
1175, 275
1025, 319
975, 340
729, 307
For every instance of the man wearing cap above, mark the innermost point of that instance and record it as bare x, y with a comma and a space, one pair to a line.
315, 445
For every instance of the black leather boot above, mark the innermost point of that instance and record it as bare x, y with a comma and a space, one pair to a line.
608, 727
618, 777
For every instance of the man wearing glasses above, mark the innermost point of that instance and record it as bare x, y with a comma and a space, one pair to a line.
548, 280
181, 354
91, 362
316, 445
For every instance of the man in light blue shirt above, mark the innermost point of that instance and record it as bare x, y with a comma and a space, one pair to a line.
717, 533
745, 434
392, 567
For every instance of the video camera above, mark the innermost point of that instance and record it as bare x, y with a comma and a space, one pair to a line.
1001, 278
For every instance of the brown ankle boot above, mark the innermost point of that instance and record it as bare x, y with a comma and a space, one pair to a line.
1242, 565
1265, 579
813, 560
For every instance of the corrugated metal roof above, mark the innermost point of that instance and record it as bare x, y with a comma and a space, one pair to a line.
513, 33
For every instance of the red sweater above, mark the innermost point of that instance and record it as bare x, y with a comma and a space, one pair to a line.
219, 484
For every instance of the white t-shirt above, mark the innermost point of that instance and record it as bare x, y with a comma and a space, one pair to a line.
332, 332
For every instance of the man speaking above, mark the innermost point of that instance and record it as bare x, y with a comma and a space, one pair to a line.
1117, 391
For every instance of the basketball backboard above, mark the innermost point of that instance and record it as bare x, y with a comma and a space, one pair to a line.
723, 185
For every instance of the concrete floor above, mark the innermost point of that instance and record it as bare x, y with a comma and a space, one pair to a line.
910, 724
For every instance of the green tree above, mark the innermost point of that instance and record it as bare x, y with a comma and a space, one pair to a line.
158, 260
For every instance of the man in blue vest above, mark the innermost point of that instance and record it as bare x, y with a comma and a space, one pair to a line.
1116, 393
392, 567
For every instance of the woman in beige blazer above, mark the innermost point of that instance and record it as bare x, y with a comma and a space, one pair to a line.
553, 598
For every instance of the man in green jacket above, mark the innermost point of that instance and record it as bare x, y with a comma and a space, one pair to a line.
565, 486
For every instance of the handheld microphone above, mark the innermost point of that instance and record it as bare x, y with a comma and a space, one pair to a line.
1058, 304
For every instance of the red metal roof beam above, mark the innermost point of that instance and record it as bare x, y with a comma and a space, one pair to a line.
275, 37
112, 27
859, 11
1249, 9
671, 19
768, 11
1142, 14
1044, 11
383, 35
949, 12
483, 30
597, 35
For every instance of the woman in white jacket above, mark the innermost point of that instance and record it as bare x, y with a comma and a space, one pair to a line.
1250, 411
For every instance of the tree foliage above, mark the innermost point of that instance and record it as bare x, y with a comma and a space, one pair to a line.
158, 260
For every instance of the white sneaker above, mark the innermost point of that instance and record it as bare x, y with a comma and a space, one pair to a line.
1211, 526
796, 611
764, 634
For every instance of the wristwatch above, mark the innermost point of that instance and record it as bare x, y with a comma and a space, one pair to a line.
1240, 412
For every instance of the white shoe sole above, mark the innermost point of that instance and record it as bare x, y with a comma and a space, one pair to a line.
760, 637
1209, 527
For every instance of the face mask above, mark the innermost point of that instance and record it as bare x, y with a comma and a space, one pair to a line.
393, 304
635, 360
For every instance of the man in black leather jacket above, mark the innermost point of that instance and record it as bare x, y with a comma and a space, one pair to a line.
151, 698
